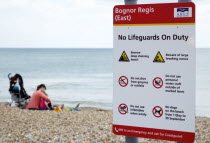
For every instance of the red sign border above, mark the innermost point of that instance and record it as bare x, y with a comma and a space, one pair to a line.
187, 137
163, 14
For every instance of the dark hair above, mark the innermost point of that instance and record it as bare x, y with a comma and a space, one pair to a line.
40, 86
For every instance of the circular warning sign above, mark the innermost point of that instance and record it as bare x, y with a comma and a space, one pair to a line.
123, 81
157, 82
123, 109
157, 111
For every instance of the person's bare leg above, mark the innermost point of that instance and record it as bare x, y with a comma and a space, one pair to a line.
77, 105
61, 106
46, 104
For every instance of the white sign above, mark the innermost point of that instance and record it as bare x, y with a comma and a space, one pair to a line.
154, 72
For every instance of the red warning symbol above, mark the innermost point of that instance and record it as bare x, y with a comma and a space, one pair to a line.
123, 81
157, 111
157, 82
123, 109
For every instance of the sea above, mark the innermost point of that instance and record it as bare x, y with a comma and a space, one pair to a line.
81, 75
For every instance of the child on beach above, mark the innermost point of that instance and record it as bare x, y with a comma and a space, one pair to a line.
47, 105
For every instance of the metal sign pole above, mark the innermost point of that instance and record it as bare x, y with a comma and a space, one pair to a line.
135, 139
130, 2
183, 1
127, 138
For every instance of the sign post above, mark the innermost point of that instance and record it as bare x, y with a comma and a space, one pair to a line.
184, 0
180, 2
129, 139
154, 71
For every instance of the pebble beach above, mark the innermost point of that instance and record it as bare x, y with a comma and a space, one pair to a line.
90, 125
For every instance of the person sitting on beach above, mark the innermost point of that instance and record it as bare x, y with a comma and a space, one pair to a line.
46, 105
35, 100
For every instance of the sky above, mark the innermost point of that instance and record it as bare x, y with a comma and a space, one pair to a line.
73, 23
